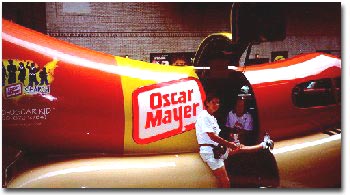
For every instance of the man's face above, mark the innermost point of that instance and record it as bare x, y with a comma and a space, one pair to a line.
239, 107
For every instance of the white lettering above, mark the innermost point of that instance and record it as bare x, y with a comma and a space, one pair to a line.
25, 114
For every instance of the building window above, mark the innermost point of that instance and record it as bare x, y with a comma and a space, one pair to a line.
76, 8
315, 93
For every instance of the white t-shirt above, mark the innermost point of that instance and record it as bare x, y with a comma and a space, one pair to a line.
244, 122
206, 123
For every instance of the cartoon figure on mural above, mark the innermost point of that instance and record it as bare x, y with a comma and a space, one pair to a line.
22, 72
43, 77
4, 74
11, 68
32, 75
16, 79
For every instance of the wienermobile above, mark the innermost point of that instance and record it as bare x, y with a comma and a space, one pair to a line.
85, 119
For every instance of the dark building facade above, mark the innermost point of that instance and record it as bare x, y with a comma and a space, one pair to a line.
31, 15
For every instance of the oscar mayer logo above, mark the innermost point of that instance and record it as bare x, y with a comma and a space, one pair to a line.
13, 90
166, 109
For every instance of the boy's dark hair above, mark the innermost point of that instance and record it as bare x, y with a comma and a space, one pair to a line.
210, 96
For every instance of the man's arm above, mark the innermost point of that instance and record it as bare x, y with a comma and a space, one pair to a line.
252, 148
219, 140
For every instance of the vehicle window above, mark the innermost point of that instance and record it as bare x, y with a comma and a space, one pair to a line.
337, 83
313, 93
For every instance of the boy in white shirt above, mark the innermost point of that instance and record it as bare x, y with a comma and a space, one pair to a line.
207, 131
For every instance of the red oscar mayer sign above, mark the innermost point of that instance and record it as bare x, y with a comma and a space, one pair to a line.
166, 109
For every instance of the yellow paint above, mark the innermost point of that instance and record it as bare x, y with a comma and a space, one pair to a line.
185, 142
156, 171
50, 69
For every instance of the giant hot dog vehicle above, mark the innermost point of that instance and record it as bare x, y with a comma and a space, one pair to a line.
78, 118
